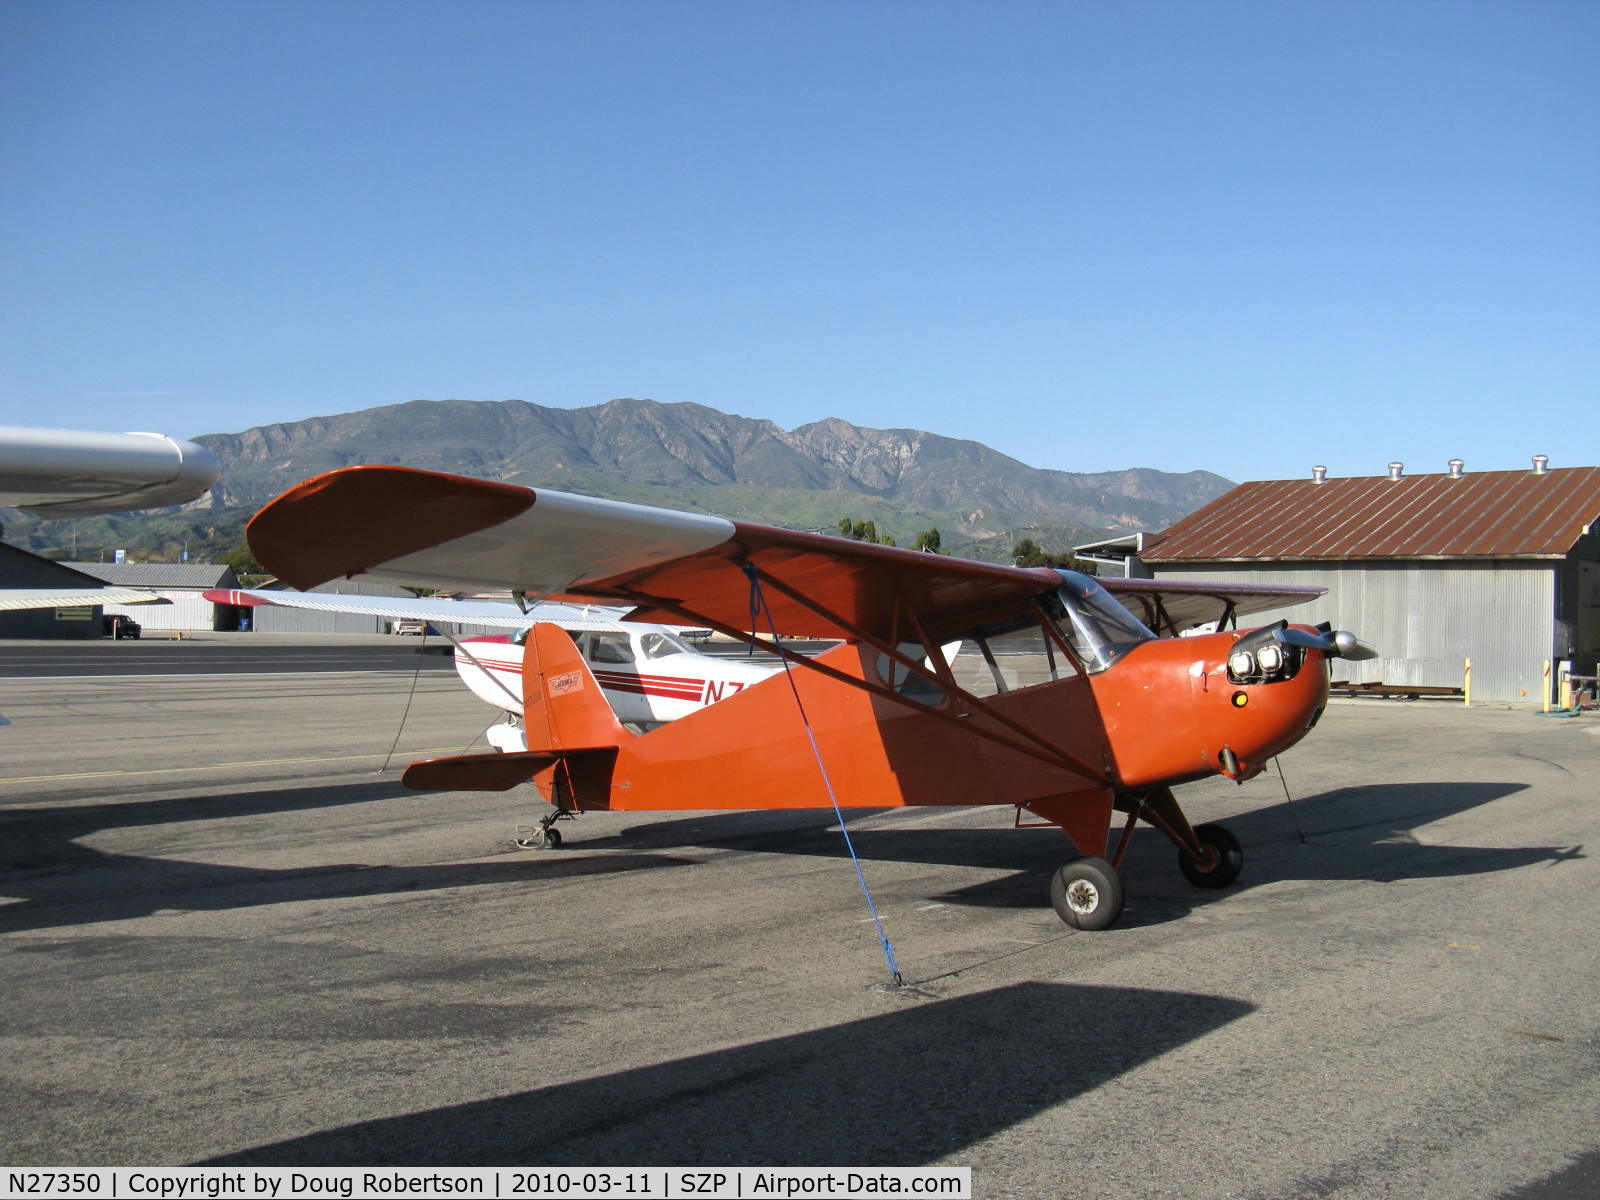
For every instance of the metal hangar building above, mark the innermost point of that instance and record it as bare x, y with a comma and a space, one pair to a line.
1499, 567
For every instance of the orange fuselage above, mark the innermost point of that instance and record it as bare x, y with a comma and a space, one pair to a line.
1163, 714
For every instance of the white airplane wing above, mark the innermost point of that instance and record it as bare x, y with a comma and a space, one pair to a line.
12, 599
64, 473
580, 617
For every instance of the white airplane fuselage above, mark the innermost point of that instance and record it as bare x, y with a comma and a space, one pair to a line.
648, 678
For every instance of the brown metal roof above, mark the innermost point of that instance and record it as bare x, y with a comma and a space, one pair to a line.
1491, 514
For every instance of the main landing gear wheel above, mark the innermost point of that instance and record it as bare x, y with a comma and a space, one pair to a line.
1221, 862
1087, 893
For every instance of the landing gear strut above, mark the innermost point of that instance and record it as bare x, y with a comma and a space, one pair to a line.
1087, 892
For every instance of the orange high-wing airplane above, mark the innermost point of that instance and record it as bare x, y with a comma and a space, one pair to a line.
1123, 717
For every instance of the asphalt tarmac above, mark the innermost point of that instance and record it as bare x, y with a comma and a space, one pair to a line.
227, 935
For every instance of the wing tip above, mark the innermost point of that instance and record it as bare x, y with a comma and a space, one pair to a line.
347, 521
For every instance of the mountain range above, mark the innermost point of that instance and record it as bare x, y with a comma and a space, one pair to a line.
677, 456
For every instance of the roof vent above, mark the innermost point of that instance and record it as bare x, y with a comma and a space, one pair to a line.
1455, 468
1395, 471
1541, 464
1319, 474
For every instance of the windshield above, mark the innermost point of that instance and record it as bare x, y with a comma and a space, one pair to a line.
1102, 630
659, 645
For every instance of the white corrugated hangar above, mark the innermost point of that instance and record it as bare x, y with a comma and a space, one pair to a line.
269, 618
266, 618
182, 583
1501, 568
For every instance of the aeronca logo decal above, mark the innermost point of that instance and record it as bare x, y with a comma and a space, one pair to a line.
560, 685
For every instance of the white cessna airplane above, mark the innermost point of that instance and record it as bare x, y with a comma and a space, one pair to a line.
648, 673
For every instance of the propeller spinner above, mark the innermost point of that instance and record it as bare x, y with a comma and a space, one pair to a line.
1339, 643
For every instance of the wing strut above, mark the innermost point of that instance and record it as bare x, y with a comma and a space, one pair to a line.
756, 597
1040, 748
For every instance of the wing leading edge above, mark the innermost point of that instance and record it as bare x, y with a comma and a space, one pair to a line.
465, 612
17, 599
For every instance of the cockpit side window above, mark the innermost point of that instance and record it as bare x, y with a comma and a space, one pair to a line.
608, 648
1018, 653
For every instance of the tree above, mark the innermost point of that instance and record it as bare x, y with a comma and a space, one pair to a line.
1028, 553
928, 540
243, 562
862, 531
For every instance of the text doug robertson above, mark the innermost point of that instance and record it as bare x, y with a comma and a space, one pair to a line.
243, 1184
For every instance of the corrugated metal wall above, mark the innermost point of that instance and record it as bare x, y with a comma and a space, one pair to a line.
268, 619
189, 611
1425, 619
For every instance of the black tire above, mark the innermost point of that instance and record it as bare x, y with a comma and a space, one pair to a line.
552, 838
1227, 858
1087, 894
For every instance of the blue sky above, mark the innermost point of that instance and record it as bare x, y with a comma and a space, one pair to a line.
1232, 236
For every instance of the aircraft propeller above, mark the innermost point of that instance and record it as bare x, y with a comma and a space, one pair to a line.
1338, 643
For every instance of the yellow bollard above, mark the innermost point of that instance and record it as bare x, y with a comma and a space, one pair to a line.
1466, 684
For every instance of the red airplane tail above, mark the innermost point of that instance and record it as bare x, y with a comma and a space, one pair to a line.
565, 718
563, 708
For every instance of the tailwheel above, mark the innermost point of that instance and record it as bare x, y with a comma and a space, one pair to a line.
1220, 861
540, 836
1087, 894
531, 837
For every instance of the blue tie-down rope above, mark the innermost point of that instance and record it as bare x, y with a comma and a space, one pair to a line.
758, 604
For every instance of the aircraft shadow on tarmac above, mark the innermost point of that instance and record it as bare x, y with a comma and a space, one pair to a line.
866, 1091
52, 879
1352, 833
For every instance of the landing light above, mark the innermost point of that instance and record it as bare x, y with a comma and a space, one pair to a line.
1242, 663
1270, 657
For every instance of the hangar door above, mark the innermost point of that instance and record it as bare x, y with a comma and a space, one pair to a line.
1588, 631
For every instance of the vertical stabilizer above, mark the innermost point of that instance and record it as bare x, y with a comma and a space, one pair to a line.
563, 707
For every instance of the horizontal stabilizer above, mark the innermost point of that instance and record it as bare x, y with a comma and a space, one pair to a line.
475, 772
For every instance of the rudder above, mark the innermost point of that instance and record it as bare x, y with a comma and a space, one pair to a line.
563, 708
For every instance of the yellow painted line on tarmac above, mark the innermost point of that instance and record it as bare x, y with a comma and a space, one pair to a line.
260, 762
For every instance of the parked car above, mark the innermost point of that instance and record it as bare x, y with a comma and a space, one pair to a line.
119, 625
411, 625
